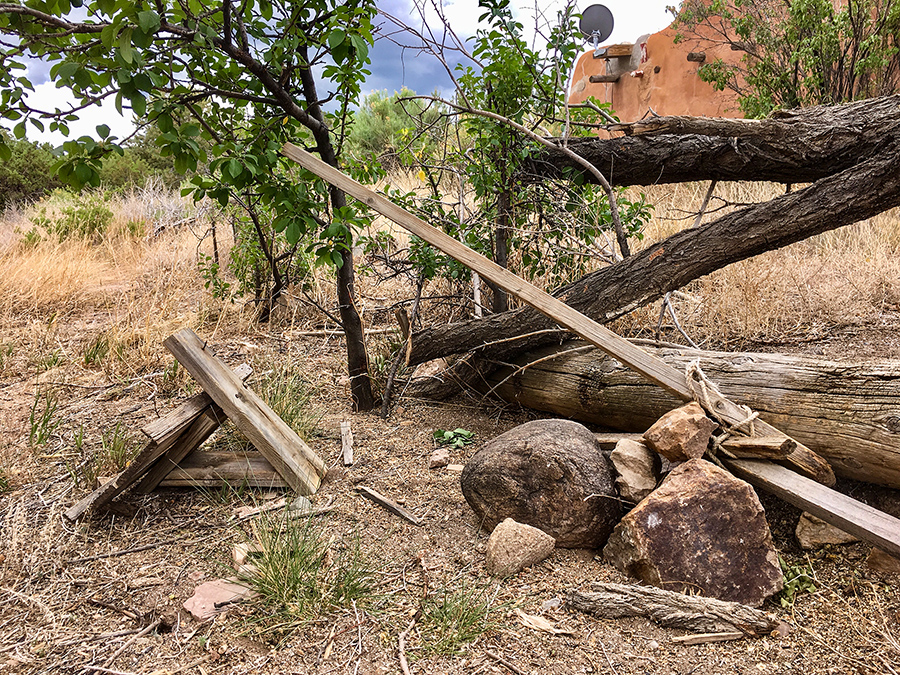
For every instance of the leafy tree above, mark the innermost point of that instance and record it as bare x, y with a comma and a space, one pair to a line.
27, 173
240, 79
798, 53
140, 162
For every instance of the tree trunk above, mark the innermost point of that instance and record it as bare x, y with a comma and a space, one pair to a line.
797, 146
849, 413
860, 192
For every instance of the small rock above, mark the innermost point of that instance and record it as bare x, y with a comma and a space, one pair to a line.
213, 597
881, 561
458, 468
635, 464
439, 458
813, 532
681, 434
702, 531
513, 547
242, 550
551, 604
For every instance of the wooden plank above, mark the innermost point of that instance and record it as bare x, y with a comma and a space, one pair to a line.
616, 51
346, 443
164, 428
294, 460
202, 428
844, 512
599, 79
763, 447
215, 469
391, 506
652, 368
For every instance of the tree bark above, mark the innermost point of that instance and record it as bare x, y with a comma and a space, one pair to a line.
860, 192
849, 413
797, 146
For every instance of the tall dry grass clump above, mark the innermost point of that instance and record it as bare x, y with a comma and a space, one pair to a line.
841, 278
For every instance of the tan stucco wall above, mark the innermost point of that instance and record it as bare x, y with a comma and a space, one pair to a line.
669, 83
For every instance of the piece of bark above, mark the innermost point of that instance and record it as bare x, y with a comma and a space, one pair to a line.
845, 411
346, 443
672, 610
386, 503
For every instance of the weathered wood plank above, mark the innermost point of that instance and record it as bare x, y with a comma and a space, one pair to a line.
292, 458
390, 505
851, 516
214, 469
200, 430
650, 367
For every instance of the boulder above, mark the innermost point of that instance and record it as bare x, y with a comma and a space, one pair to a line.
701, 531
550, 474
681, 434
635, 465
514, 546
813, 532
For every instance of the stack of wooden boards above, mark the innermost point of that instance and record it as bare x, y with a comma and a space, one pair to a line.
170, 455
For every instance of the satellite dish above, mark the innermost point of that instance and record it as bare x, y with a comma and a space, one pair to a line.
596, 23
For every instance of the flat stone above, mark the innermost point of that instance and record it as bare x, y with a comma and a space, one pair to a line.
813, 532
514, 546
213, 597
635, 465
550, 474
681, 434
439, 458
881, 561
701, 531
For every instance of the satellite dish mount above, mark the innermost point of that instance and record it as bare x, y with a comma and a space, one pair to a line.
596, 25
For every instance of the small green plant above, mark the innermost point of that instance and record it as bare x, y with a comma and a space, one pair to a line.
797, 579
6, 351
457, 438
4, 482
45, 362
96, 351
289, 395
213, 279
453, 618
42, 419
302, 571
118, 448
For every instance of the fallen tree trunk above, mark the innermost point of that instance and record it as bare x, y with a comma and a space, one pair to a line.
795, 146
857, 193
847, 413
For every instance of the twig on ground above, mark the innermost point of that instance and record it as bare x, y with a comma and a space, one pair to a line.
503, 662
401, 646
126, 551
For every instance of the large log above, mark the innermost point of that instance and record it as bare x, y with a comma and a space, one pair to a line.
848, 413
796, 146
859, 192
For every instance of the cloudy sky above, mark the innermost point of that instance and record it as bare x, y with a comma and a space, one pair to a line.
392, 66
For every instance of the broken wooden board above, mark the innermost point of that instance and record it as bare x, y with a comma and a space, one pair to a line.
216, 469
391, 506
652, 368
851, 516
294, 460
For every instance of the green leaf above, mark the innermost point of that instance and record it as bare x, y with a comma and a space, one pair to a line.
5, 152
148, 21
125, 49
336, 38
103, 131
139, 104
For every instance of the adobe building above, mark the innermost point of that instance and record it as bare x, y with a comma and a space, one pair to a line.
654, 73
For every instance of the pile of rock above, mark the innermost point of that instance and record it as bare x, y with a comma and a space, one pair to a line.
699, 529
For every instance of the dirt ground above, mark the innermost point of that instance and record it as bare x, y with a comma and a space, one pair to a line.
79, 598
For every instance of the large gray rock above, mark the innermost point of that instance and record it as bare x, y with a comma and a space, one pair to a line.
514, 546
701, 531
549, 474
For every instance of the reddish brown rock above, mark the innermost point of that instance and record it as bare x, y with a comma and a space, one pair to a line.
701, 531
214, 597
514, 546
681, 434
549, 474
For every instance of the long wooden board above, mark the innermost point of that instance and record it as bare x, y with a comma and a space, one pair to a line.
867, 523
801, 459
214, 469
294, 460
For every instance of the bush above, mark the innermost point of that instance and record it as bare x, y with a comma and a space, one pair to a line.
28, 174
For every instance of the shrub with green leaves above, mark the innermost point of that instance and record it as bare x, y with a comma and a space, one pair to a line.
28, 172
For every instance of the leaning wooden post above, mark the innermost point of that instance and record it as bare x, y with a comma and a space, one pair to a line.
776, 478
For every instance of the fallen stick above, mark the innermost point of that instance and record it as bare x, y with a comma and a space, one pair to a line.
346, 443
383, 501
704, 638
673, 610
